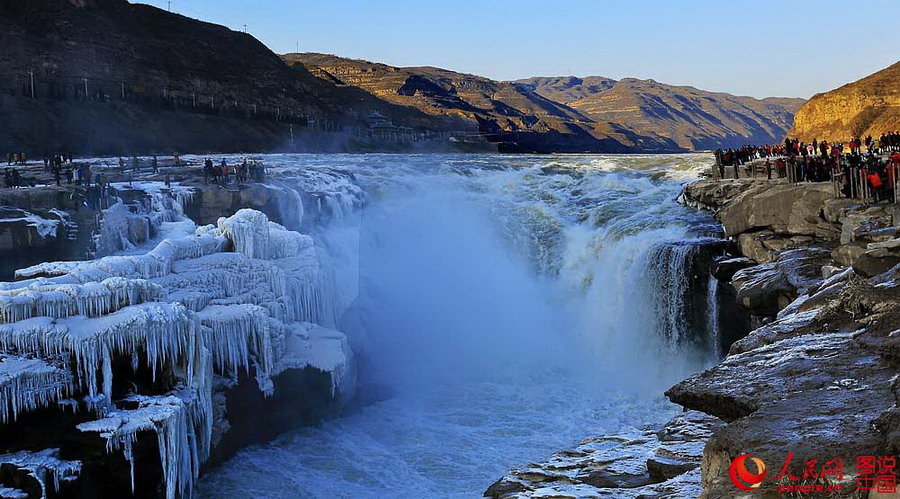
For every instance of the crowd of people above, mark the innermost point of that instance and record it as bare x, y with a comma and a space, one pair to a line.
15, 158
61, 168
247, 170
863, 167
12, 179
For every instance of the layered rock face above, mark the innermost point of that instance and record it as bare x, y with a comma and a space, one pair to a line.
647, 463
870, 106
149, 365
567, 113
817, 379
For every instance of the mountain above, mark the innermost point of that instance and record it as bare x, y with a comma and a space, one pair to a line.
870, 106
111, 77
691, 118
507, 112
107, 76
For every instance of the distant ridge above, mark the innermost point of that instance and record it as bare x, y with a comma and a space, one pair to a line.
693, 119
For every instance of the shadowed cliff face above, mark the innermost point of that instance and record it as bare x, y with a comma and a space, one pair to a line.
870, 106
691, 118
107, 49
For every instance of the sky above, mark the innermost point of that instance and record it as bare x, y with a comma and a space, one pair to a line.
786, 48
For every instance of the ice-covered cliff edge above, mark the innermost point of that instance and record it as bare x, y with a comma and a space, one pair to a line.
150, 342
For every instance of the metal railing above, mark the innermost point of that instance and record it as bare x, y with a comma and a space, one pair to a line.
855, 181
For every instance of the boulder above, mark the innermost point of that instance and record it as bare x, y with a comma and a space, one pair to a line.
752, 246
726, 268
847, 254
875, 262
766, 289
787, 209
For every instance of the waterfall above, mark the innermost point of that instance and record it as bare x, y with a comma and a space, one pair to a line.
712, 311
502, 308
670, 279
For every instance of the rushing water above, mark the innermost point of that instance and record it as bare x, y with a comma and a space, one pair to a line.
503, 307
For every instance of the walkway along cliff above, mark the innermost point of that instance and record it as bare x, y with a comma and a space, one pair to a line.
815, 381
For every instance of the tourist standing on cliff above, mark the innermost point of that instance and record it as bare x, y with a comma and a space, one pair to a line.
155, 165
207, 170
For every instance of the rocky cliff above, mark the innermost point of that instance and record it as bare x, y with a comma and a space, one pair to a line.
817, 379
692, 119
870, 106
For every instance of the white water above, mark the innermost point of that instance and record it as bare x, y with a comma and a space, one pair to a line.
503, 308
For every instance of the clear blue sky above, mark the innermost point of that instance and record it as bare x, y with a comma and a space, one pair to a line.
791, 48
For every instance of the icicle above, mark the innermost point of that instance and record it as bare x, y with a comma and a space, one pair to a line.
183, 425
28, 384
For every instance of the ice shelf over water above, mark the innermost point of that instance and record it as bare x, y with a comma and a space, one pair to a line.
246, 295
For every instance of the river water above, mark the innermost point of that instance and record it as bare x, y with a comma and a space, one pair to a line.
501, 308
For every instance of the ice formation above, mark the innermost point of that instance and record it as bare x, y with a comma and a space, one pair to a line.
27, 384
41, 465
248, 295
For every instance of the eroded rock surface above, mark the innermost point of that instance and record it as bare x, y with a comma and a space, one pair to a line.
646, 463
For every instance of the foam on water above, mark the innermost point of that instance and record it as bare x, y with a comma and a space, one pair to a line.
503, 307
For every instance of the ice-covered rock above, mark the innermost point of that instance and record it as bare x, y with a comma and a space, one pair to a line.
27, 384
185, 311
42, 466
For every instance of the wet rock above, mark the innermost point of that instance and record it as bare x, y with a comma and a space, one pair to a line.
636, 464
726, 268
662, 469
814, 383
766, 289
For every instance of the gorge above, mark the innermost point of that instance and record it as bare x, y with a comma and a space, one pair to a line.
496, 307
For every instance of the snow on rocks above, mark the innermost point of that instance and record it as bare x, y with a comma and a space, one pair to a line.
831, 358
41, 466
41, 227
189, 310
311, 345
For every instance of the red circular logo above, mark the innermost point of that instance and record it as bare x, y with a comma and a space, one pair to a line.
741, 477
